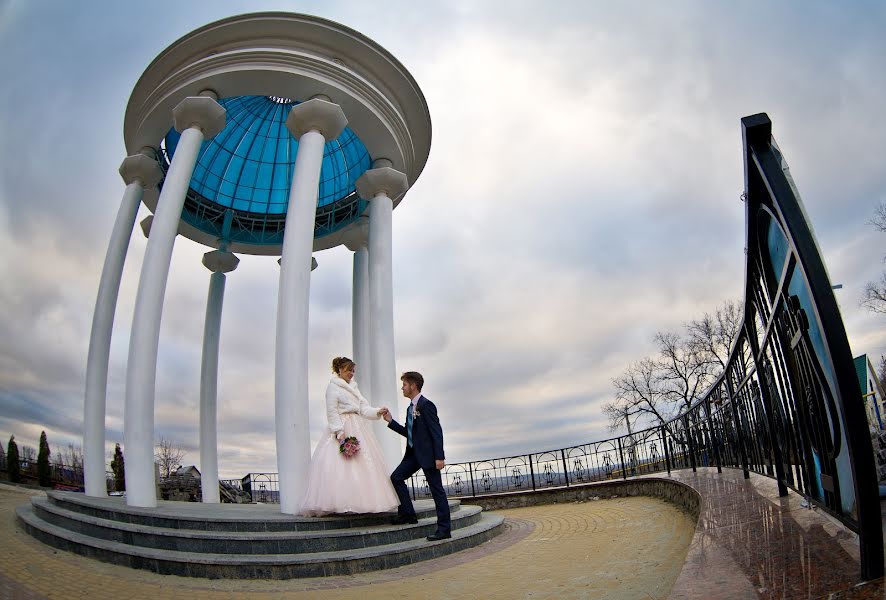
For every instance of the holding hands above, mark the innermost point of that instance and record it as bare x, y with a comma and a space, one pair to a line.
384, 413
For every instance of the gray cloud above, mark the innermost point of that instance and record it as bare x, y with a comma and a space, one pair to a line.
581, 194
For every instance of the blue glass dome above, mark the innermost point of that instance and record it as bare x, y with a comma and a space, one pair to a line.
240, 187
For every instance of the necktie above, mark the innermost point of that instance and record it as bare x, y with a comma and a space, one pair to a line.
409, 426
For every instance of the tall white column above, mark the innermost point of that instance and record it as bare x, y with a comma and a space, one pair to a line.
219, 262
358, 242
360, 318
139, 172
197, 118
311, 123
380, 186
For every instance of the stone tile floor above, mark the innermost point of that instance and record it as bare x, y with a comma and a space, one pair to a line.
750, 543
747, 543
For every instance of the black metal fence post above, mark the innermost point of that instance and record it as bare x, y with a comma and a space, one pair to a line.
689, 442
471, 475
565, 468
531, 471
763, 380
621, 457
713, 438
664, 442
738, 427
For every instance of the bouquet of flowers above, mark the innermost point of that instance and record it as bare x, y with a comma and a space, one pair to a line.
349, 447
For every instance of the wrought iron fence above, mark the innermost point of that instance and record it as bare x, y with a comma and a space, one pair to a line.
262, 487
69, 477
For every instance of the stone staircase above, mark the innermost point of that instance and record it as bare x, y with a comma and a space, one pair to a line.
253, 541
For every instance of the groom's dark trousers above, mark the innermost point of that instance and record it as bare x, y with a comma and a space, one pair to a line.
427, 448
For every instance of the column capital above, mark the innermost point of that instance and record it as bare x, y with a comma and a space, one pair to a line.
313, 262
139, 167
148, 222
318, 115
146, 225
220, 261
356, 236
202, 112
386, 180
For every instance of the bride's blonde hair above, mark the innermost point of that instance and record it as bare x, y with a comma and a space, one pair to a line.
340, 362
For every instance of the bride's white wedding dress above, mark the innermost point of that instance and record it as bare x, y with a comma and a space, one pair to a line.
336, 484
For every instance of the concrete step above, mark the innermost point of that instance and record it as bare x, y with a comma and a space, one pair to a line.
222, 517
260, 566
241, 542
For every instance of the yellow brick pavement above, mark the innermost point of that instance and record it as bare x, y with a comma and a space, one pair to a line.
622, 549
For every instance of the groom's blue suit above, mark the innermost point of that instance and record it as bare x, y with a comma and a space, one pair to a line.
426, 449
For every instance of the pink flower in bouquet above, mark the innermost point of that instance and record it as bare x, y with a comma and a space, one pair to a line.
349, 447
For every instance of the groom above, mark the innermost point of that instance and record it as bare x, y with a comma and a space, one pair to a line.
424, 450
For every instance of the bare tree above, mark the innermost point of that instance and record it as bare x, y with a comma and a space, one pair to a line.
685, 371
874, 296
169, 456
75, 454
713, 334
879, 219
656, 389
620, 414
69, 456
28, 455
638, 394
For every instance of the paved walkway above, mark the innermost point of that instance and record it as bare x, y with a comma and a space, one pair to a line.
747, 543
619, 548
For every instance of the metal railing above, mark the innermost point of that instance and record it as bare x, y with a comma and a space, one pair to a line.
62, 476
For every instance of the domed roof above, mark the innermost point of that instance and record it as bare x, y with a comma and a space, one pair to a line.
240, 187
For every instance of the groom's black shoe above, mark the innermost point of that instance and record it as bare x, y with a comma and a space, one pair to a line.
439, 536
404, 520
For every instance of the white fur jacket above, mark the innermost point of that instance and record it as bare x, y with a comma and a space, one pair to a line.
345, 398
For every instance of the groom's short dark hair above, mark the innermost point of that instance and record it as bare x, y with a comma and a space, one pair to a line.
413, 377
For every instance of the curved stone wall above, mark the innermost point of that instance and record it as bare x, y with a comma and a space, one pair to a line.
669, 490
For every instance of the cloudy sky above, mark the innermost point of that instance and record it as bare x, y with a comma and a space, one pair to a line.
582, 193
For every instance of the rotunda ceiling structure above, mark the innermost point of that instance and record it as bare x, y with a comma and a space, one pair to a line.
259, 66
247, 169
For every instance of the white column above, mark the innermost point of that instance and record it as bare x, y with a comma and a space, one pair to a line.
219, 262
197, 118
358, 242
360, 319
311, 123
380, 186
139, 172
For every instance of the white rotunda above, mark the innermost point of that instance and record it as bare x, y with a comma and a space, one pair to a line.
270, 134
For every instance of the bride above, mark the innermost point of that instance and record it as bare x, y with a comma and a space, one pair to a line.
336, 483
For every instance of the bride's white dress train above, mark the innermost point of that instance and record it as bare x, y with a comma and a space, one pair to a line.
360, 484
